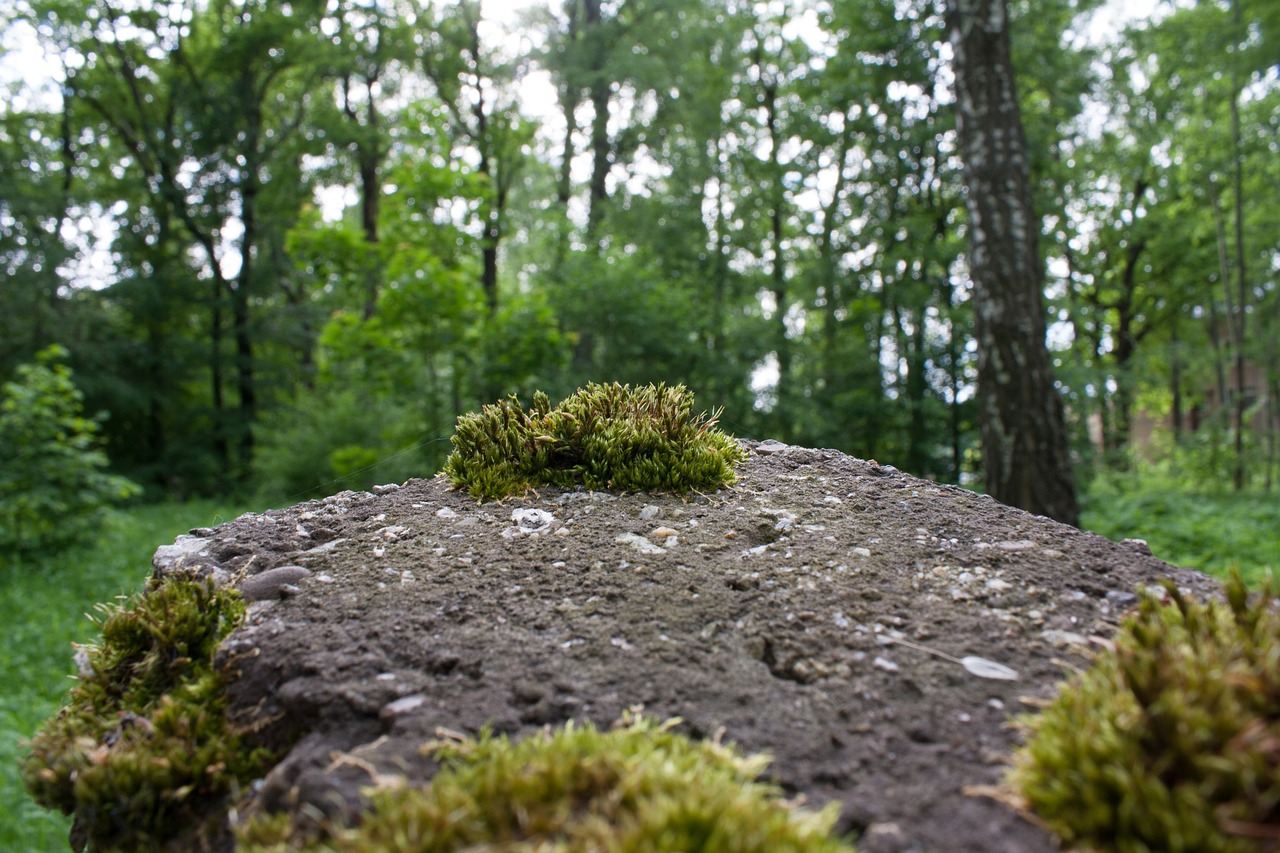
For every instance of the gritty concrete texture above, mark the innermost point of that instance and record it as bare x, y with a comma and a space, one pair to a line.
873, 632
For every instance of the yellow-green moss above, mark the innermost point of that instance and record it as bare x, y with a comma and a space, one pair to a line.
603, 437
639, 789
1172, 741
143, 750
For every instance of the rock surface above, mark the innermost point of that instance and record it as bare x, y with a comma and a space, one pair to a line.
792, 614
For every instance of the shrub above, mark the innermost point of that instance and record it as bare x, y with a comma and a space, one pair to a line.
1172, 740
639, 788
331, 439
53, 482
602, 436
143, 751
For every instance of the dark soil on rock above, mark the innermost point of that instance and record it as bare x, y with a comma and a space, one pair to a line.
770, 614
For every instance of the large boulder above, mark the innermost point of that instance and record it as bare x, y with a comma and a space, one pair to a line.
873, 632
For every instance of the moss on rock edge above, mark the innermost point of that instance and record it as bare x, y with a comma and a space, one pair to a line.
1172, 740
642, 787
143, 751
602, 436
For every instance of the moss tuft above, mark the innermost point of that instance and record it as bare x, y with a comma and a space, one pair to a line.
603, 437
143, 751
638, 788
1172, 740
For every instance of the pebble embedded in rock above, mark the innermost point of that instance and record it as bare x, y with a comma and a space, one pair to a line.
532, 520
641, 544
1139, 545
402, 706
273, 583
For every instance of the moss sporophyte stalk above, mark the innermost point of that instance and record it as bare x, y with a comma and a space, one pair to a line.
1171, 741
641, 787
602, 437
143, 751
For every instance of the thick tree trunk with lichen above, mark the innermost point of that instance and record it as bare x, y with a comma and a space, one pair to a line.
1024, 443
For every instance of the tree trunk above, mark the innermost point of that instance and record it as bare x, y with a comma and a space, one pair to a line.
600, 146
1242, 291
1175, 380
777, 270
241, 296
1024, 446
369, 161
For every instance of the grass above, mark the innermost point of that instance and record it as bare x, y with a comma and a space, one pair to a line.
1213, 532
42, 608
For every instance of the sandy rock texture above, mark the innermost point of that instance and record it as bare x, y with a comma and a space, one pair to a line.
872, 631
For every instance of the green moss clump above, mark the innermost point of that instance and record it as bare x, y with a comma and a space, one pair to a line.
143, 750
579, 790
1172, 740
603, 437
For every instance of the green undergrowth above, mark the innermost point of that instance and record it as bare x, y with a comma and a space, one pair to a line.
143, 751
43, 604
642, 787
1215, 532
1171, 741
602, 437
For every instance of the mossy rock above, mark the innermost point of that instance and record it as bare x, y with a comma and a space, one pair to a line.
143, 752
1170, 741
642, 787
602, 437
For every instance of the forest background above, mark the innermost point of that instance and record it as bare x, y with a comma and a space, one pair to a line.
286, 244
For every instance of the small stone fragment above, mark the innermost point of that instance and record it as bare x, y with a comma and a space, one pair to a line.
1063, 638
1139, 545
273, 583
983, 668
532, 520
168, 557
641, 544
402, 706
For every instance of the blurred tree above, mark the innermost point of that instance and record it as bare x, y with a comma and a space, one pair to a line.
199, 106
1024, 446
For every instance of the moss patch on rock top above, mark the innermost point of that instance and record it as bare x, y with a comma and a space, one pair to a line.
602, 437
1172, 740
143, 751
642, 787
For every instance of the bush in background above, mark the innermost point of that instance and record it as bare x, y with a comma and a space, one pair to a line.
1213, 532
53, 479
